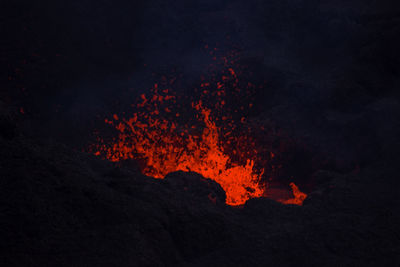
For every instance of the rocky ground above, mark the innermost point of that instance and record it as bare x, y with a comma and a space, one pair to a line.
60, 207
330, 75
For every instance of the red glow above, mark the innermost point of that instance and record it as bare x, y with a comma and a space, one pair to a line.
299, 196
167, 148
153, 136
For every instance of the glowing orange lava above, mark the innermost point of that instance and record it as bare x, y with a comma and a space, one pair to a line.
166, 148
299, 196
152, 136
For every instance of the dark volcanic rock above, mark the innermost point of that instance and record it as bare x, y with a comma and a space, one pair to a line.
331, 70
7, 122
197, 227
60, 207
196, 186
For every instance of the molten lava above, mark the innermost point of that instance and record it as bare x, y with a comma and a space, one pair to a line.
166, 148
154, 137
298, 198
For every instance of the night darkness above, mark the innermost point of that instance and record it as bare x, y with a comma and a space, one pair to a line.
236, 103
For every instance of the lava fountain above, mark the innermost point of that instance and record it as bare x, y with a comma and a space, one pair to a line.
166, 137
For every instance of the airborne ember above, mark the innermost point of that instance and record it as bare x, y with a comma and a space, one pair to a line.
165, 134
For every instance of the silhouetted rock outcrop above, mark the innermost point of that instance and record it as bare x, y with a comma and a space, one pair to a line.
60, 207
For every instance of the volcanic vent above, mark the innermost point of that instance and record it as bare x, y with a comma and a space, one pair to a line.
207, 133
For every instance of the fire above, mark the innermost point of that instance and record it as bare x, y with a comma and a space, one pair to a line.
299, 196
166, 138
165, 148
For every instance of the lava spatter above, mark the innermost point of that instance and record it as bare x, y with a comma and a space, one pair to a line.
165, 139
